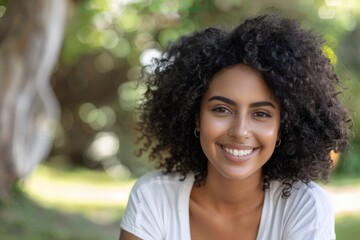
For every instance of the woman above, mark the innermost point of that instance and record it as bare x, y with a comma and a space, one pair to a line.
241, 124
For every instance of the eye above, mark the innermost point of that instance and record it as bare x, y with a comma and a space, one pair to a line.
261, 114
221, 109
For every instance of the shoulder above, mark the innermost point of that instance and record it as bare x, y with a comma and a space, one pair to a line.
157, 183
309, 197
155, 203
307, 212
311, 191
158, 178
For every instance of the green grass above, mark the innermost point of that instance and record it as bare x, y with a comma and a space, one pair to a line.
78, 204
77, 190
22, 218
348, 226
76, 174
67, 204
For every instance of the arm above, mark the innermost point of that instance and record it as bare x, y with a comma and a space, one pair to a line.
124, 235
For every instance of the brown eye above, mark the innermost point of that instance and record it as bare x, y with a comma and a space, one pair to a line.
221, 110
262, 115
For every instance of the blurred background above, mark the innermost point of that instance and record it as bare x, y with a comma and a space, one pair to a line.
69, 90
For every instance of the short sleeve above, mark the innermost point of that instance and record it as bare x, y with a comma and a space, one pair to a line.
312, 217
141, 217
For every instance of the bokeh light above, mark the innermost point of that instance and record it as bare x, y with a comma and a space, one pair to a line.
105, 144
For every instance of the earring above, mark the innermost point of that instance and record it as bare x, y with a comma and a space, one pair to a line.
196, 133
278, 143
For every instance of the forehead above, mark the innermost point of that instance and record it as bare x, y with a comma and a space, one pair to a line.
240, 81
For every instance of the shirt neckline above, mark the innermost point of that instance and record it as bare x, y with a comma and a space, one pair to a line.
185, 204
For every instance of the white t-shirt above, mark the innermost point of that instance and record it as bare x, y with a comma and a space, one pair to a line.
158, 209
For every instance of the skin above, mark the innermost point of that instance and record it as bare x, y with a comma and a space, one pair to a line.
238, 111
124, 235
238, 116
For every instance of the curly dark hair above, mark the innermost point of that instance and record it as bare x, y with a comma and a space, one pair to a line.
290, 58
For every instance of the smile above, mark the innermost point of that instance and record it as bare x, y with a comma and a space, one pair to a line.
238, 153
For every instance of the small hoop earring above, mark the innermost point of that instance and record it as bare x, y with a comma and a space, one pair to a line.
196, 133
278, 143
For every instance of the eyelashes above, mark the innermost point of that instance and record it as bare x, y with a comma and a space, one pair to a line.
261, 114
221, 110
255, 114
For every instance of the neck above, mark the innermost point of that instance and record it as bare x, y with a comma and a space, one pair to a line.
228, 195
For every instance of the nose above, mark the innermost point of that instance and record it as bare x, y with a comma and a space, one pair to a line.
240, 128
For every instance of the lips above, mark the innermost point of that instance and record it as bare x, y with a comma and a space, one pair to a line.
238, 152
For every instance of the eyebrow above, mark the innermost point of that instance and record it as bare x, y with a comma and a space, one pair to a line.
252, 105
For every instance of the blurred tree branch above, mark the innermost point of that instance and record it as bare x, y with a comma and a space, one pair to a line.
31, 34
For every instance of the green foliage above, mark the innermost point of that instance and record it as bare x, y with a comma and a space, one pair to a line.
107, 43
3, 2
350, 162
343, 180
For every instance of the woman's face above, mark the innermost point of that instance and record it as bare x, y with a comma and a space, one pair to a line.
239, 123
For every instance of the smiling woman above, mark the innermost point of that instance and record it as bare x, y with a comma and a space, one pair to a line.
241, 124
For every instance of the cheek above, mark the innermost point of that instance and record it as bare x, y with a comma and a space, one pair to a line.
211, 127
269, 131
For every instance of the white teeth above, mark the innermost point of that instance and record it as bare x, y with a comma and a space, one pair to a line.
238, 153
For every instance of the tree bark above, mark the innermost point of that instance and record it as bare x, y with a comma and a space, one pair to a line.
31, 34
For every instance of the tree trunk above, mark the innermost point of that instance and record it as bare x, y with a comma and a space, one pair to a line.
31, 34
